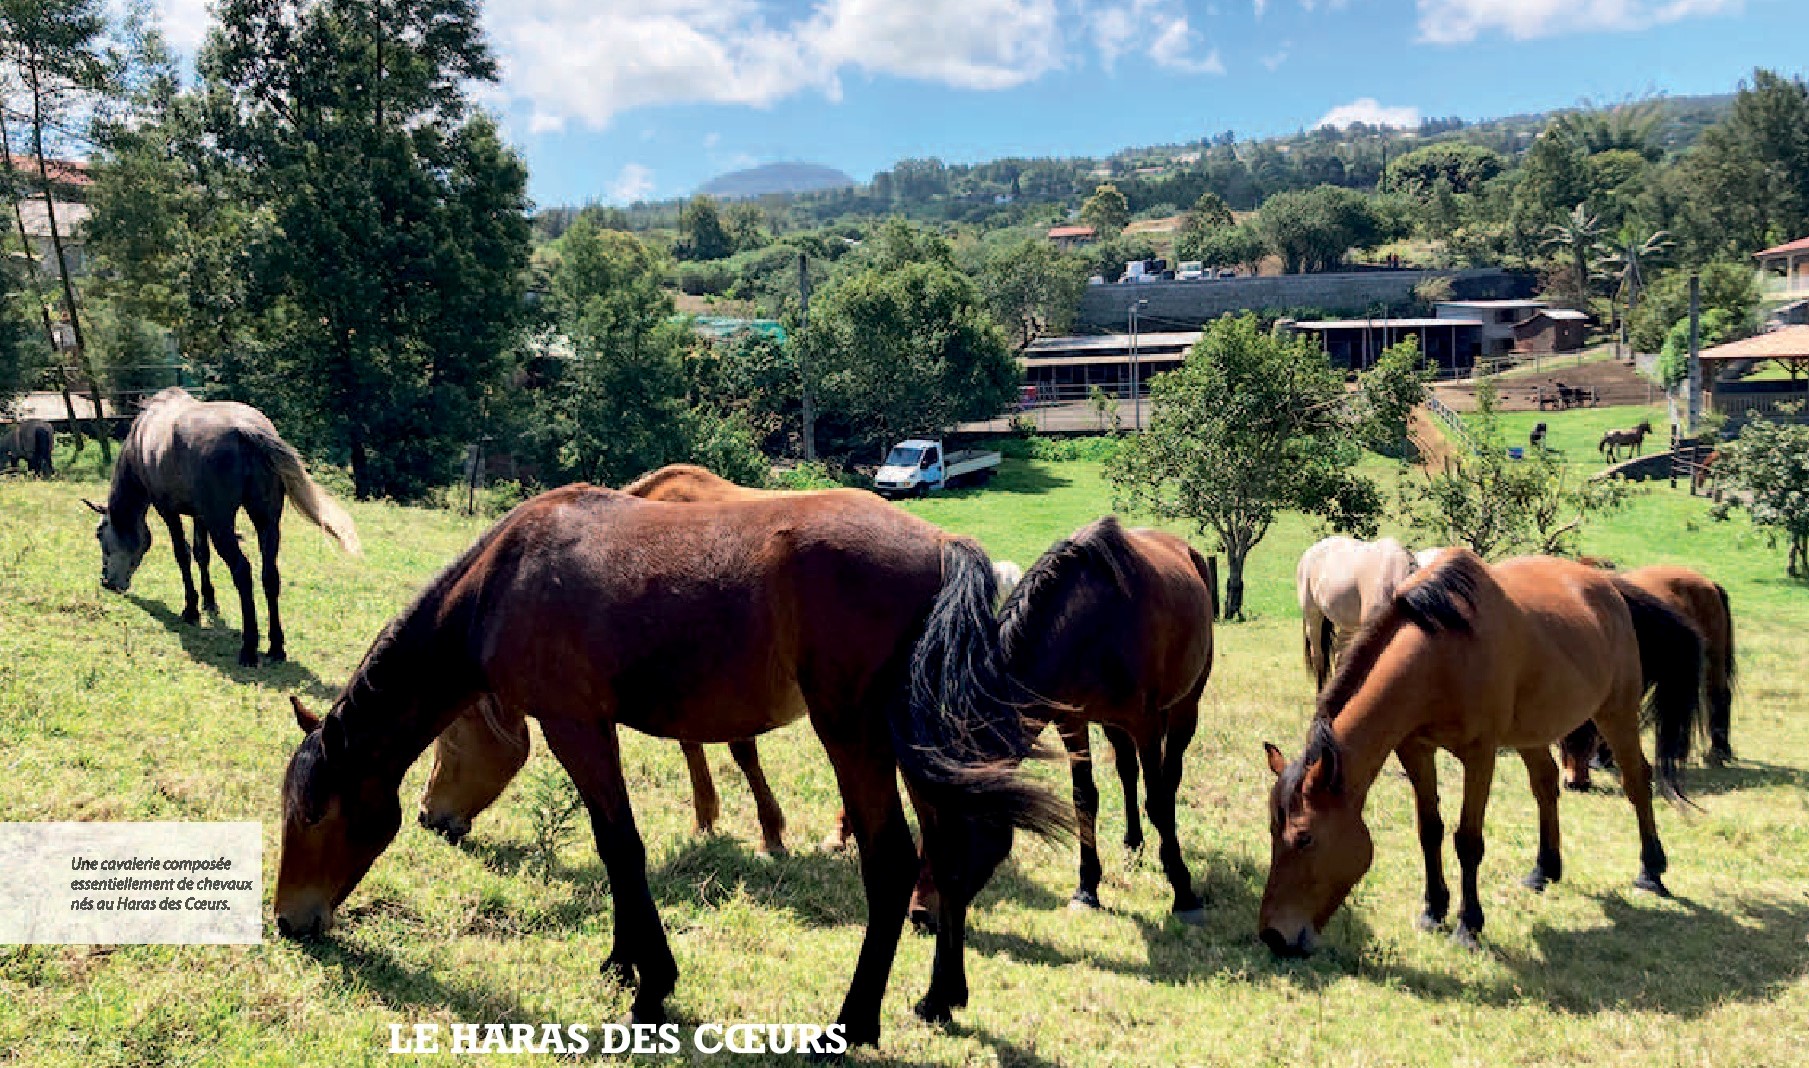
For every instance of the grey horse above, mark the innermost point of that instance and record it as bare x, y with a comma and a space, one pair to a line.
30, 441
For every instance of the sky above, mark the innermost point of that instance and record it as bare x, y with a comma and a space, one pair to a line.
622, 100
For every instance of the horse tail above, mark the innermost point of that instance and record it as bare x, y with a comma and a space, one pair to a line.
1670, 660
1724, 669
1208, 576
312, 501
962, 733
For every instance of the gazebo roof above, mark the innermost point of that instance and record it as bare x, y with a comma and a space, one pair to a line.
1784, 343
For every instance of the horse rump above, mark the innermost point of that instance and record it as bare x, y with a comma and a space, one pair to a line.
313, 502
1671, 660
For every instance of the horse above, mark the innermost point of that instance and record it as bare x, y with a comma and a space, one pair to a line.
1340, 583
477, 757
1633, 438
31, 441
1470, 658
208, 459
1704, 603
1537, 437
592, 610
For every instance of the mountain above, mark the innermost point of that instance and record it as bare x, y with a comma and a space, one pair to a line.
771, 178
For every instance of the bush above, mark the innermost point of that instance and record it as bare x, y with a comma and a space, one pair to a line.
1094, 448
814, 475
710, 278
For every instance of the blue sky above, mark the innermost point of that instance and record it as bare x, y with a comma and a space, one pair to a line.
616, 100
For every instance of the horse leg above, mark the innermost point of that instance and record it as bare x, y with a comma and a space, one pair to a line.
866, 775
1159, 803
1086, 808
1182, 720
1621, 731
705, 805
1542, 776
772, 818
226, 541
209, 604
1479, 773
1418, 760
270, 540
191, 612
1124, 754
1578, 749
591, 755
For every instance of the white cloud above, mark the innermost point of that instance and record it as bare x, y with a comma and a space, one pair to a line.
1370, 112
634, 182
185, 22
1174, 47
1273, 61
1261, 6
712, 139
1456, 21
1158, 29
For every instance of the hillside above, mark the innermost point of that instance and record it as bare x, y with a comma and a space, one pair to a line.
775, 178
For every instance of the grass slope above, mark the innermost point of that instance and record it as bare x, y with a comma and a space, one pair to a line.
110, 709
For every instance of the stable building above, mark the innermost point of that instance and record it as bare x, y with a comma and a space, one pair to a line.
1784, 269
1498, 319
1058, 369
1354, 344
1552, 330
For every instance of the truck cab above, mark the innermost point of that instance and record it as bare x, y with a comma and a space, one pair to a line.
917, 465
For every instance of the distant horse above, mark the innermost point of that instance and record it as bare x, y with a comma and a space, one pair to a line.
477, 757
1537, 437
1704, 471
1341, 582
1470, 658
1704, 603
1633, 438
590, 610
208, 460
31, 441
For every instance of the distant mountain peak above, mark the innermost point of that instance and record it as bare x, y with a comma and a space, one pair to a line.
770, 178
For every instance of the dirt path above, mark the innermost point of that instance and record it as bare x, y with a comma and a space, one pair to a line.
1614, 383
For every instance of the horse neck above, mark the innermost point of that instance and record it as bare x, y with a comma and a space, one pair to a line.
128, 499
404, 694
1394, 701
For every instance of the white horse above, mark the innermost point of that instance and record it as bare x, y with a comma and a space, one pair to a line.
1341, 582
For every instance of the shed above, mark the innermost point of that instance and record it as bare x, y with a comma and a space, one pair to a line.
1354, 344
1551, 330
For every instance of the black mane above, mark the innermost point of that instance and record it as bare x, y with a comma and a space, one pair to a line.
1443, 602
1100, 545
1321, 748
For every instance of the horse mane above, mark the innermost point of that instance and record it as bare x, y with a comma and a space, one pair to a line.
1322, 748
166, 396
1100, 545
1444, 601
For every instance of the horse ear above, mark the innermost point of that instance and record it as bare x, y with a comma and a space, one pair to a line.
1322, 777
1277, 762
99, 509
306, 720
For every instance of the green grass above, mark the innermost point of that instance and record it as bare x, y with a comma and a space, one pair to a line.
110, 709
1576, 432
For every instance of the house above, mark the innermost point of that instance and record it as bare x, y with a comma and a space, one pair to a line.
1742, 399
1068, 368
1498, 318
1550, 330
35, 218
1354, 344
1785, 268
1071, 237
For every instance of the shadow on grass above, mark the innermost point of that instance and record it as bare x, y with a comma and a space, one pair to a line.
400, 984
214, 643
1703, 781
1024, 476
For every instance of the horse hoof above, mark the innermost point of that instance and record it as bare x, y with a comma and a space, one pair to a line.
923, 920
771, 852
933, 1012
1579, 787
248, 658
1193, 917
1467, 938
650, 1016
1535, 881
1083, 901
1719, 758
1429, 922
276, 655
191, 617
1133, 842
1651, 884
833, 843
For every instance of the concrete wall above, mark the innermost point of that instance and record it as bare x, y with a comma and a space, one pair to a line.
1187, 305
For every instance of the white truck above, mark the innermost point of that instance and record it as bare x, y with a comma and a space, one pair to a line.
919, 465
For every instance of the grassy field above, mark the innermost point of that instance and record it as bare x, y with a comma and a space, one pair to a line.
111, 709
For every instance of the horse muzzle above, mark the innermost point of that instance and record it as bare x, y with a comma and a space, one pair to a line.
307, 926
1300, 945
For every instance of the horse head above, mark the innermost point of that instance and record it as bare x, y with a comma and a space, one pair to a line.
1319, 846
122, 549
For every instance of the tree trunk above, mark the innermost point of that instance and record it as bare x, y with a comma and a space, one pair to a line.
1234, 583
361, 469
37, 292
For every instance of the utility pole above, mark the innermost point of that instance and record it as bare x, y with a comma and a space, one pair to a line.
1136, 380
1693, 409
810, 412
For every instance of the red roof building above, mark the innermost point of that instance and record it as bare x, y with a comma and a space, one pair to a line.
1786, 267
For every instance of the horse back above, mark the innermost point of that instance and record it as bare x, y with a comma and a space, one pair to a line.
1566, 642
1694, 597
191, 457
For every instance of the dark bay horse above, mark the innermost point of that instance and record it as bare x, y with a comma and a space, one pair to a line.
32, 441
1704, 603
1470, 658
1114, 626
1631, 438
591, 609
185, 457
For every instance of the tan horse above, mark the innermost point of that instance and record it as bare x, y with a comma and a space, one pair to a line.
1341, 582
1704, 603
1632, 439
1471, 658
593, 610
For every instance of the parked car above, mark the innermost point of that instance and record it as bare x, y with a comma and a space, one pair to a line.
919, 465
1191, 271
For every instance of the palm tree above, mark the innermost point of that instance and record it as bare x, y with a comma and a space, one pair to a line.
1578, 236
1631, 127
1625, 267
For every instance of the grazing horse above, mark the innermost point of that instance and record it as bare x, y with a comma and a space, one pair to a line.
31, 441
1341, 582
1537, 437
1633, 438
591, 610
208, 459
1470, 658
1704, 603
477, 757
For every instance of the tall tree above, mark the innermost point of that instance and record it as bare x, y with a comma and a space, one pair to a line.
1033, 289
1577, 241
1748, 176
1251, 425
702, 235
1107, 211
391, 286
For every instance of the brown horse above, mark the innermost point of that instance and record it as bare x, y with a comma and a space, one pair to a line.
1631, 438
1705, 604
208, 459
1114, 626
1470, 658
591, 609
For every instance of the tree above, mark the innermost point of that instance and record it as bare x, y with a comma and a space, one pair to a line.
1315, 229
1747, 177
907, 349
1727, 286
1033, 289
1464, 168
1249, 426
1496, 505
1577, 240
1106, 210
390, 290
19, 357
1227, 246
702, 235
1209, 212
746, 226
1553, 180
1769, 463
1390, 391
1715, 327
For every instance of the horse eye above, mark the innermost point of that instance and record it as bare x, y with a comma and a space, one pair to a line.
1303, 841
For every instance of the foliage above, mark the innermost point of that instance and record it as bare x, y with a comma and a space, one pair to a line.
1463, 168
1499, 506
1747, 178
1431, 291
1250, 425
755, 379
1389, 392
1576, 240
21, 352
553, 805
1769, 464
1726, 286
1106, 210
809, 475
1313, 230
1031, 445
702, 235
1033, 289
1715, 327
